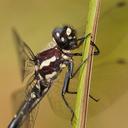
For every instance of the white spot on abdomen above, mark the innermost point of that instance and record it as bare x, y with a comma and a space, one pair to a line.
47, 62
33, 95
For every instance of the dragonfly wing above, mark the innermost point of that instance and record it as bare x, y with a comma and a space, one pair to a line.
25, 55
27, 63
33, 115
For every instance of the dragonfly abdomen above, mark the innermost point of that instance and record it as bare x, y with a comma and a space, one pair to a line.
34, 97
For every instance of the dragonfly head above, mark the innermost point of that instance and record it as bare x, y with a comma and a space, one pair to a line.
65, 37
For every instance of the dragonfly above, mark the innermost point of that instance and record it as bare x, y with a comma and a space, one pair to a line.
47, 65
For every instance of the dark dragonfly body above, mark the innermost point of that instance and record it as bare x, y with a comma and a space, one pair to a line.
47, 65
51, 63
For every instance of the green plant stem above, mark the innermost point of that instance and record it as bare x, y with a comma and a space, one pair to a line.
81, 107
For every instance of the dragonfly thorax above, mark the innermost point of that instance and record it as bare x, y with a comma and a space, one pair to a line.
51, 63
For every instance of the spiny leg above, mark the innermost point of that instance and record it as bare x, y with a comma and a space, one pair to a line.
93, 98
97, 52
70, 74
81, 40
64, 91
65, 88
68, 106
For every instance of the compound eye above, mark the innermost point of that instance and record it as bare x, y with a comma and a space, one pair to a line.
68, 31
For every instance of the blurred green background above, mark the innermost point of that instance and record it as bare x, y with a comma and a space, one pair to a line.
35, 20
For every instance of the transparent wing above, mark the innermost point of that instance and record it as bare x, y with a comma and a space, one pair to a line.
32, 117
25, 55
27, 62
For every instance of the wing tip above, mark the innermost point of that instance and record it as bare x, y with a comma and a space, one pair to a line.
14, 31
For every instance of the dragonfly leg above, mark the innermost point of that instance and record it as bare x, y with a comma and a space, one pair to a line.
70, 74
64, 91
82, 39
68, 106
97, 52
76, 54
93, 98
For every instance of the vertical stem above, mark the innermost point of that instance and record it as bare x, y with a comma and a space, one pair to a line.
86, 71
